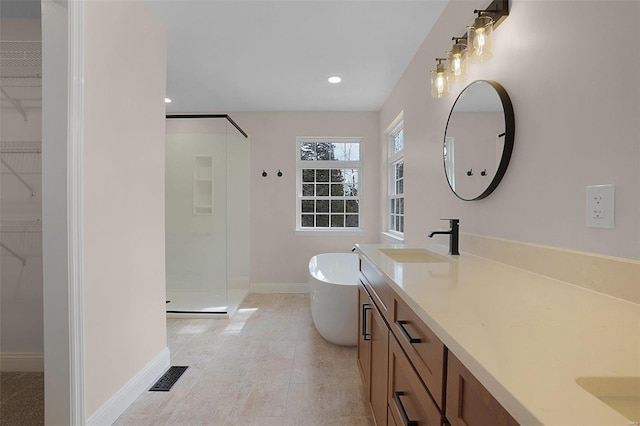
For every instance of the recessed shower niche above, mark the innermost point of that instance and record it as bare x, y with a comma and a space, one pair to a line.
207, 215
203, 185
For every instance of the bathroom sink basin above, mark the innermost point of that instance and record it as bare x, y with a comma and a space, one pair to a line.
412, 256
620, 393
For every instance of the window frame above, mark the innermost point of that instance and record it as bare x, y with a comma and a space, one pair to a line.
329, 164
394, 158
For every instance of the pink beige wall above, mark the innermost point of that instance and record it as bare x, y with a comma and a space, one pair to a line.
576, 98
278, 255
125, 62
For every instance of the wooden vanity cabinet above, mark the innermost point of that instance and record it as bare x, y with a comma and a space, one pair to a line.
410, 376
468, 402
381, 292
364, 339
390, 420
373, 355
423, 348
408, 398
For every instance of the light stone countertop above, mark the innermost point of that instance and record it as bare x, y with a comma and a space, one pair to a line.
525, 337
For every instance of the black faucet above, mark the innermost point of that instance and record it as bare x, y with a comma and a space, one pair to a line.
453, 235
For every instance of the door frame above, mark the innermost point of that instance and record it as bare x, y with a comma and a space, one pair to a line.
62, 216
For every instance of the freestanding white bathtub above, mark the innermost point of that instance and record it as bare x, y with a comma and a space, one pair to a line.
333, 286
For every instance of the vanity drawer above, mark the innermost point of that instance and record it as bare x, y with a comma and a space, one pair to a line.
380, 291
468, 402
426, 352
408, 399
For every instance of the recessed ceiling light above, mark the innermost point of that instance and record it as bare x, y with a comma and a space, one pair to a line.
334, 79
167, 100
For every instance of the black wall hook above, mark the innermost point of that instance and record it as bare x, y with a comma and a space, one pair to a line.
264, 173
470, 172
279, 173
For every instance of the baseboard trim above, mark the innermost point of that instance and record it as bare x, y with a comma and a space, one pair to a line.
22, 361
141, 382
279, 288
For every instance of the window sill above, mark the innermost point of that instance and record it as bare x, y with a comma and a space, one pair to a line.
331, 233
395, 238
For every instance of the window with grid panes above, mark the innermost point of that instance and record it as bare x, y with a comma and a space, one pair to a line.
329, 184
396, 180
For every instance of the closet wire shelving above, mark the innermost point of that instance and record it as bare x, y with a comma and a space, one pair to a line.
20, 238
20, 83
21, 65
16, 157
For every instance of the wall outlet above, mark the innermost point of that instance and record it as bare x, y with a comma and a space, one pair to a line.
600, 206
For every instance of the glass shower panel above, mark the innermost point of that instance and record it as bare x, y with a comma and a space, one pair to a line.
237, 214
196, 215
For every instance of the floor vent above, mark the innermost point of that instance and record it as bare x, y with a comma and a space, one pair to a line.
169, 378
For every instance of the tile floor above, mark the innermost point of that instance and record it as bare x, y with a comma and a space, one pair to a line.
265, 366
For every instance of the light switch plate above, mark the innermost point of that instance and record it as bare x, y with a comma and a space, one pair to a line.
600, 206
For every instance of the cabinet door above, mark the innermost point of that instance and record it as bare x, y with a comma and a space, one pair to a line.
379, 365
364, 340
409, 401
468, 402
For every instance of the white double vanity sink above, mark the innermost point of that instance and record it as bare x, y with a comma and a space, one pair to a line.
533, 349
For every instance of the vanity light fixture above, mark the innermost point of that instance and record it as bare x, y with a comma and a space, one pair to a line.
439, 80
474, 46
479, 31
479, 35
458, 60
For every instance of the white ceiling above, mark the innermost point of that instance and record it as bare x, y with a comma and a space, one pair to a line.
274, 55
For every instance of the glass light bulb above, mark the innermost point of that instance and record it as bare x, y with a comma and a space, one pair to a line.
439, 81
457, 58
479, 36
456, 64
440, 84
479, 41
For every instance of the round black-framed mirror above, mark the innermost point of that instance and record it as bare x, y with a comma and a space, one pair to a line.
478, 140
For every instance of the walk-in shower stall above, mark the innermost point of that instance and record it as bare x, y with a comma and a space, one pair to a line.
207, 215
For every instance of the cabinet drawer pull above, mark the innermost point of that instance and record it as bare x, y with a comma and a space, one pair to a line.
407, 336
403, 412
365, 307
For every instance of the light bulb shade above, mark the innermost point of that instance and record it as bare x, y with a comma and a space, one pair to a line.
479, 39
439, 82
457, 59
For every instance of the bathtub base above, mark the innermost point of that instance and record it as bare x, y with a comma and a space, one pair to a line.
339, 323
333, 293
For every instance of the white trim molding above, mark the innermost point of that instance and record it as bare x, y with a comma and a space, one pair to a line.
328, 165
62, 131
75, 176
279, 288
22, 361
141, 382
392, 237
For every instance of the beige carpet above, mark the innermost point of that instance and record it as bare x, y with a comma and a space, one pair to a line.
21, 398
